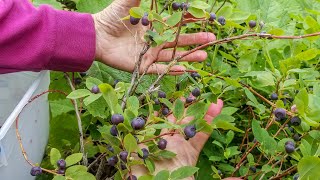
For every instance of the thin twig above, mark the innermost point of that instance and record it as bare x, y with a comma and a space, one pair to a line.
164, 134
96, 160
100, 169
84, 156
224, 2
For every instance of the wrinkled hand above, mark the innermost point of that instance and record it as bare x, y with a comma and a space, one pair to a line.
187, 150
118, 43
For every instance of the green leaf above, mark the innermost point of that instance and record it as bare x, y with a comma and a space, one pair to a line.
183, 172
226, 126
92, 7
229, 137
166, 102
59, 178
53, 3
197, 110
73, 159
198, 13
79, 93
54, 156
146, 177
203, 126
308, 168
166, 154
174, 19
199, 5
162, 175
73, 170
61, 106
111, 98
150, 165
136, 12
90, 99
90, 82
133, 104
267, 142
261, 78
178, 109
130, 143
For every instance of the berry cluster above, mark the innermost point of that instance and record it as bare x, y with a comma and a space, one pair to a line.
61, 163
144, 20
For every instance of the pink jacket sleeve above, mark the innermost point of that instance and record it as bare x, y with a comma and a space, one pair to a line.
35, 39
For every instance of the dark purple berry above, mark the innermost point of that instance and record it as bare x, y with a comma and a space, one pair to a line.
295, 121
190, 131
95, 89
296, 137
110, 148
162, 94
112, 161
132, 177
252, 24
137, 123
61, 163
291, 129
156, 101
280, 113
82, 74
134, 21
185, 6
61, 171
189, 100
290, 142
176, 6
145, 21
117, 119
253, 169
196, 92
115, 82
195, 75
35, 171
114, 131
219, 172
274, 96
222, 20
284, 100
77, 81
162, 144
212, 17
123, 166
145, 153
123, 156
289, 148
165, 111
296, 177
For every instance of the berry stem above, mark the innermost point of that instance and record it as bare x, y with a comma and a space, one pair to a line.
156, 137
84, 157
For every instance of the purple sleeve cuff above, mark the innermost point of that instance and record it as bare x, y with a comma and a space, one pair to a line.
75, 42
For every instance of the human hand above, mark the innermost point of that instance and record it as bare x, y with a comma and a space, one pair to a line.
187, 150
117, 46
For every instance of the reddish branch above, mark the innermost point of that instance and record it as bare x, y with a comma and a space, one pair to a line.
25, 156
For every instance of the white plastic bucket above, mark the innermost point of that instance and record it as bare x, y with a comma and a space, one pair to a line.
15, 92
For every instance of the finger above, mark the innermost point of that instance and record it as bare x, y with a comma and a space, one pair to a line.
192, 39
160, 68
213, 111
197, 56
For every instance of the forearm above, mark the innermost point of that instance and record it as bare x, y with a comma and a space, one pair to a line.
34, 39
